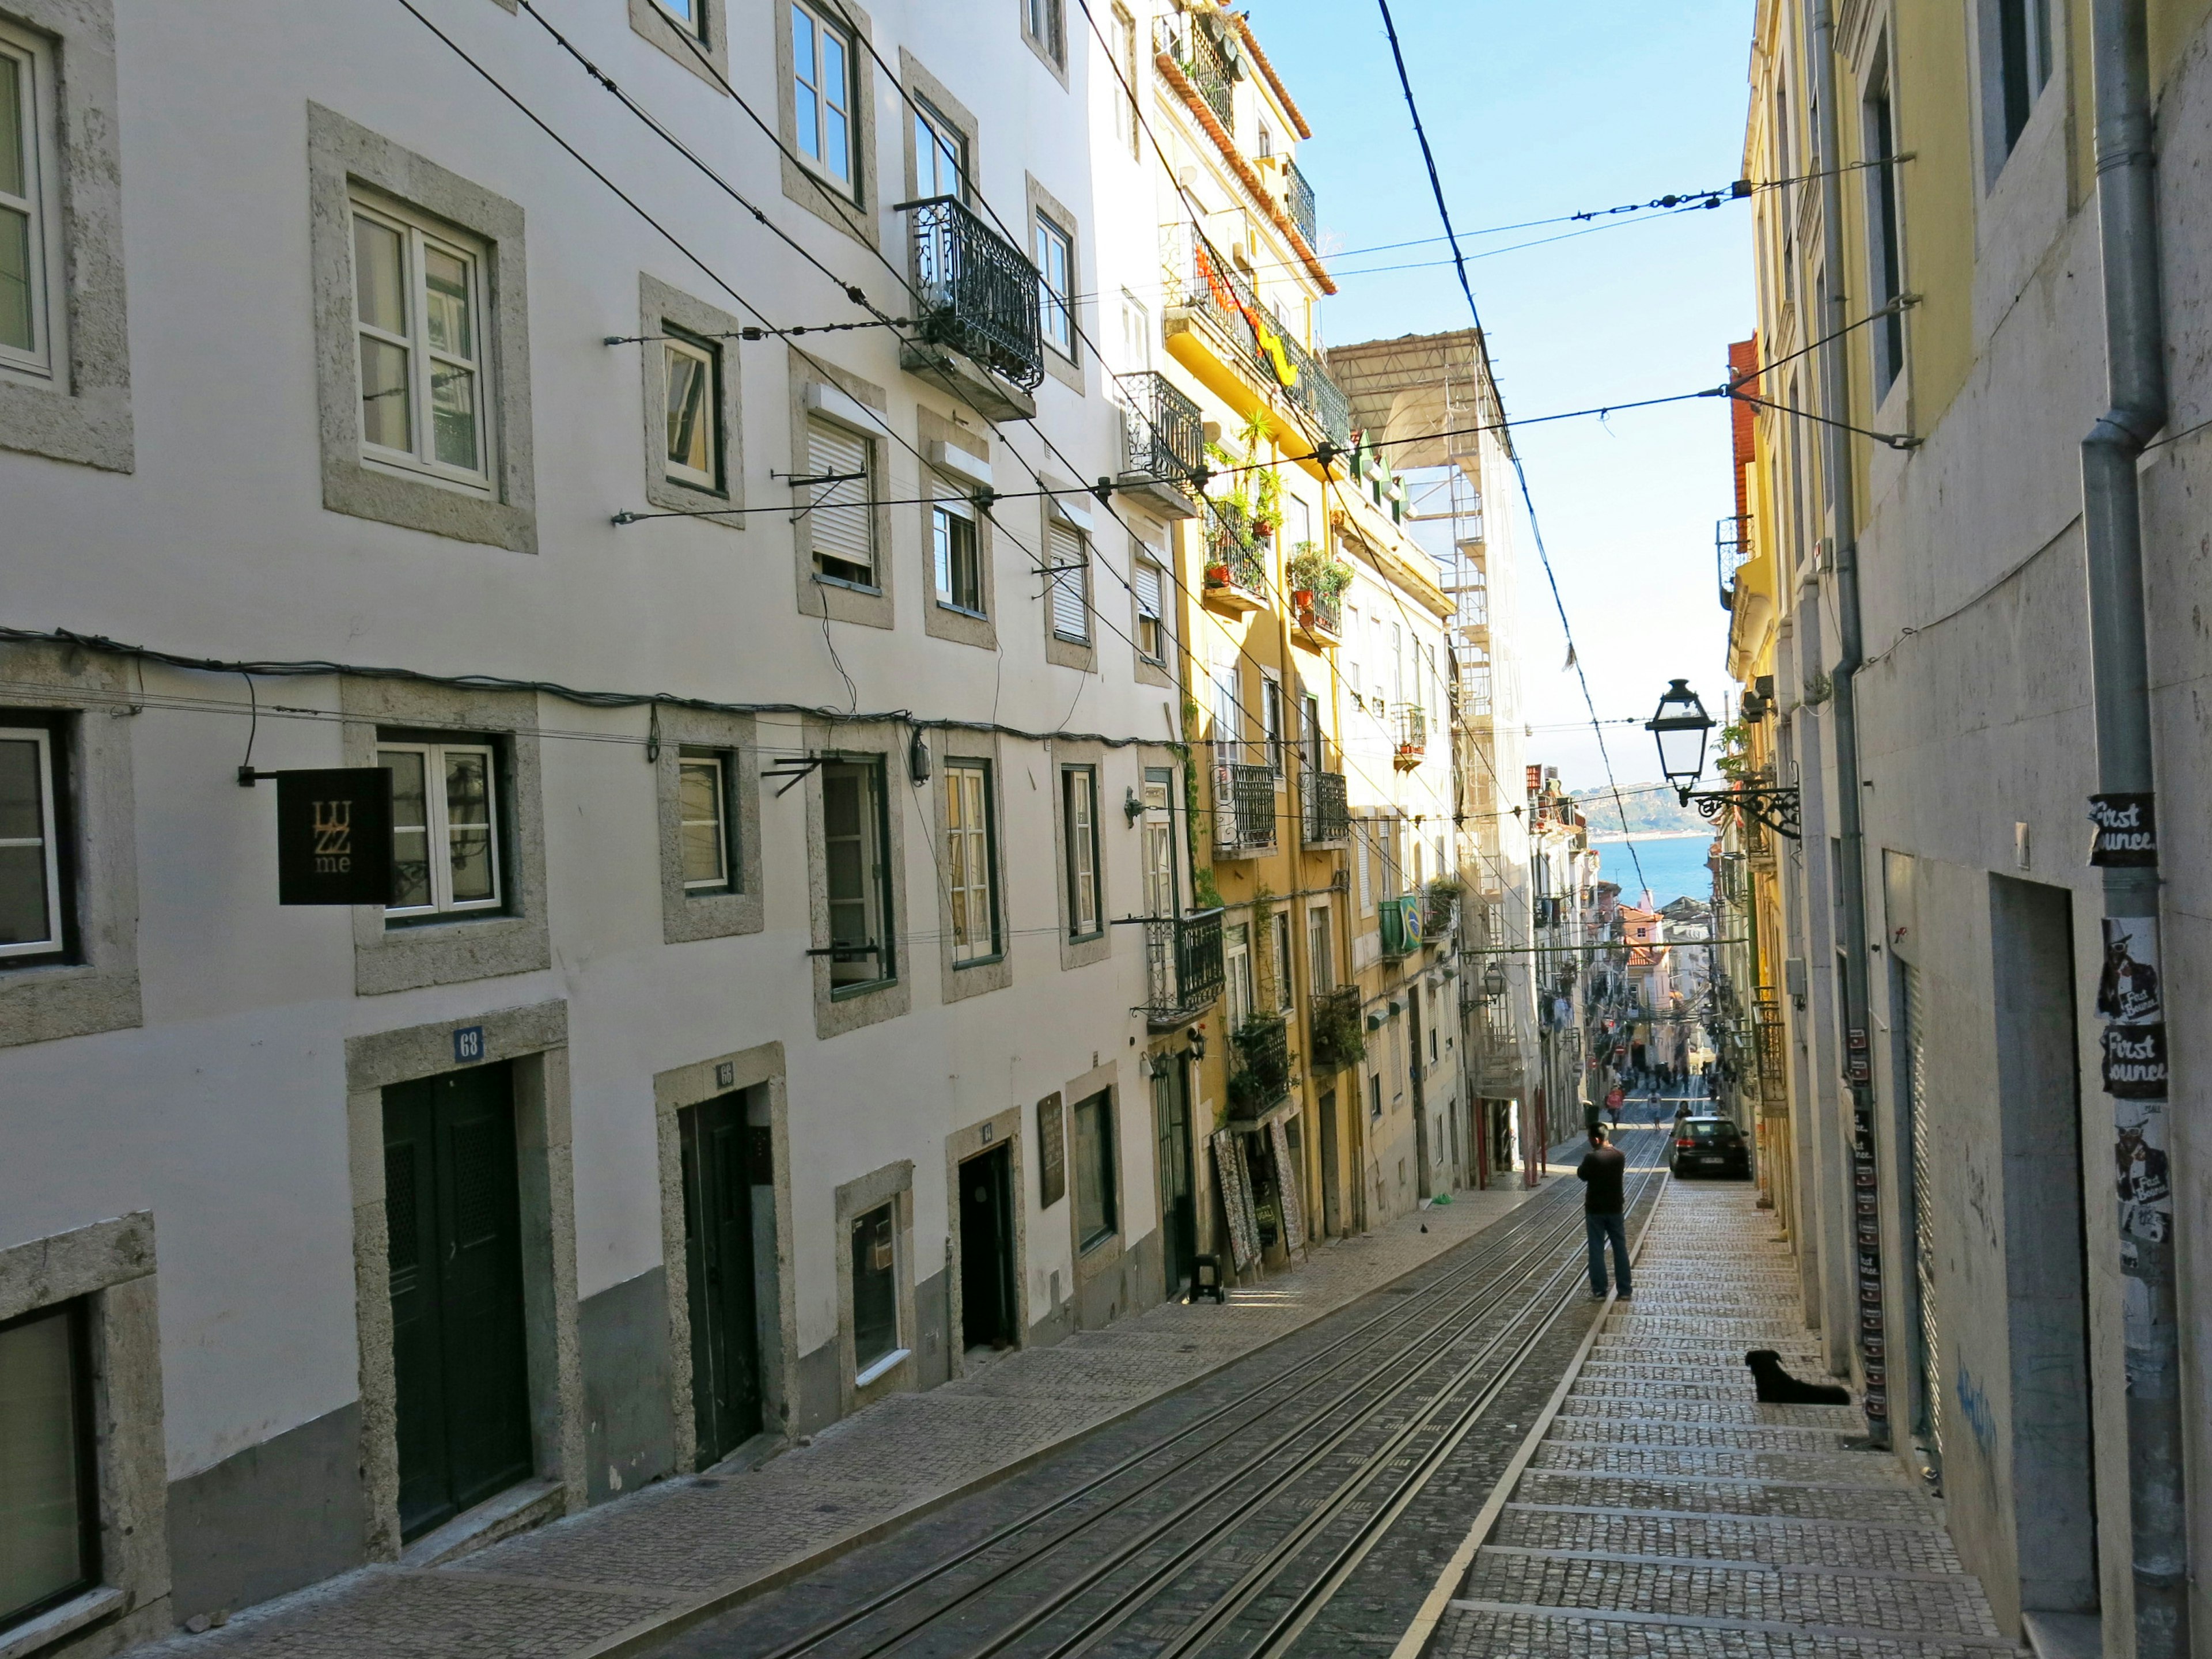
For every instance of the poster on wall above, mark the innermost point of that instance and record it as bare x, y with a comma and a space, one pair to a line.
1287, 1188
1052, 1153
1237, 1199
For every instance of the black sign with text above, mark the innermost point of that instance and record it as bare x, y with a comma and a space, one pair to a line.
2127, 831
334, 836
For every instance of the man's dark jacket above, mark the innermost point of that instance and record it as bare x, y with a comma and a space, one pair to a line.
1602, 1168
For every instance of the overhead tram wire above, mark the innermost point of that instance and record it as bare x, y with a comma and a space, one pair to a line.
1520, 472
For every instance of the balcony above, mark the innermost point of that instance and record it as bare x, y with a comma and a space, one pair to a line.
1259, 1069
1163, 443
1773, 1076
1409, 736
978, 309
1442, 902
1320, 616
1732, 550
1182, 966
1323, 819
1206, 62
1235, 563
1203, 290
1400, 919
1298, 201
1244, 804
1337, 1039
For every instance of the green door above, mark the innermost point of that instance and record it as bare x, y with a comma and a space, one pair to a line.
718, 1231
1172, 1158
453, 1212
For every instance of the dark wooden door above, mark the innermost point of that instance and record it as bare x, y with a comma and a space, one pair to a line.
453, 1214
718, 1230
1178, 1194
987, 1251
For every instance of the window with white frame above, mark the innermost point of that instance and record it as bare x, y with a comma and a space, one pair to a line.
940, 155
1055, 262
875, 1292
956, 552
689, 15
1127, 125
1237, 973
693, 372
1321, 957
445, 826
841, 512
29, 156
419, 312
1884, 253
968, 862
1079, 820
1228, 715
1271, 718
1151, 625
702, 799
1044, 22
2023, 62
856, 873
1069, 551
821, 93
1279, 928
32, 922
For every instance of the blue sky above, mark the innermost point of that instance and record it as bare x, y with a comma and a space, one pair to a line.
1536, 111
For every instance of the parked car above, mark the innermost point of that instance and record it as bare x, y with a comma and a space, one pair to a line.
1710, 1145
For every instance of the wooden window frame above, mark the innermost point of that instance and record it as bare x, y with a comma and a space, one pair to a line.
53, 836
437, 828
720, 760
1083, 849
804, 93
981, 853
40, 204
680, 343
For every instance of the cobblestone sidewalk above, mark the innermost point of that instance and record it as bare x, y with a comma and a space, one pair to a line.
597, 1583
1667, 1512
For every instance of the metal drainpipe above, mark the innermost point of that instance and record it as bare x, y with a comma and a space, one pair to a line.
2135, 1056
1835, 392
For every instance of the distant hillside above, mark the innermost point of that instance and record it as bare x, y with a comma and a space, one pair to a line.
1650, 808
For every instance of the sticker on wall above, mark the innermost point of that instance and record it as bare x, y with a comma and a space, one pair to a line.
2127, 831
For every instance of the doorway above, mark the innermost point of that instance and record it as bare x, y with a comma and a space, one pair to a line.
987, 1318
719, 1273
1332, 1202
460, 1353
1178, 1191
1423, 1151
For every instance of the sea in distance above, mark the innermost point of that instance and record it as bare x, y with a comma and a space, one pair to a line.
1674, 866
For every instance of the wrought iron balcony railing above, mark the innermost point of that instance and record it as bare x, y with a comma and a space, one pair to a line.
1163, 431
1409, 735
1324, 819
1259, 1074
978, 294
1298, 201
1732, 549
1182, 966
1200, 282
1336, 1039
1233, 558
1319, 613
1244, 803
1200, 54
1773, 1085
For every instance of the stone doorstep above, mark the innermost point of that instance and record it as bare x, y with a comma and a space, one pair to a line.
518, 1510
50, 1626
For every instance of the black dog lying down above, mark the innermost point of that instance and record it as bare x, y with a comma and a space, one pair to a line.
1777, 1388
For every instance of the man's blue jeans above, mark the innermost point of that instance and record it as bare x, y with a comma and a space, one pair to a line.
1601, 1228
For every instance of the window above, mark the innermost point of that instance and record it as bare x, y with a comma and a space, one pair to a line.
1279, 928
1271, 717
1127, 125
49, 1522
2024, 63
1237, 973
875, 1291
1228, 715
1069, 555
418, 314
1359, 836
958, 554
940, 155
30, 917
1375, 1094
1056, 263
689, 15
1882, 229
857, 873
1136, 338
703, 820
445, 827
1152, 626
1309, 731
28, 276
821, 93
1094, 1170
967, 864
841, 509
1043, 23
1159, 855
1321, 959
693, 374
1080, 805
1267, 141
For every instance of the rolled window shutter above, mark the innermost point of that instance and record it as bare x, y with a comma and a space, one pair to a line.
1070, 613
1148, 591
843, 523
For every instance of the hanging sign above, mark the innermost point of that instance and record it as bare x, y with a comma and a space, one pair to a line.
2127, 831
334, 836
1052, 1153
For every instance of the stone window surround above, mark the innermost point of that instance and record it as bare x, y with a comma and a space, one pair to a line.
536, 1039
939, 621
1081, 953
685, 915
996, 971
84, 414
1002, 1129
111, 1265
46, 1001
834, 1016
759, 1070
341, 156
514, 940
855, 214
1070, 371
892, 1184
1056, 66
1105, 1256
649, 20
840, 601
1082, 656
659, 305
920, 83
1148, 672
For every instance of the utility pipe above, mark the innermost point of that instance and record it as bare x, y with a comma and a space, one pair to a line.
1843, 527
2126, 846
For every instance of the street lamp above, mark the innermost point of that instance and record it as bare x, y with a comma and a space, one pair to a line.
1493, 982
1681, 726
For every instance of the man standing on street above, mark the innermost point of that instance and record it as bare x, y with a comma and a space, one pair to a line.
1601, 1171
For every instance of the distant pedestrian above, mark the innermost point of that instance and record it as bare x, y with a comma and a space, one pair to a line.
1601, 1171
1613, 1099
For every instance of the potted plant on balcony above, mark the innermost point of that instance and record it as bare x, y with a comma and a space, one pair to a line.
1338, 1040
1316, 581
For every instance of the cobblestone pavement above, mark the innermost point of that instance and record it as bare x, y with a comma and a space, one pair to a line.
615, 1576
1666, 1512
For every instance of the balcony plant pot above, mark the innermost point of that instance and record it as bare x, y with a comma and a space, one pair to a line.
1304, 599
1216, 576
